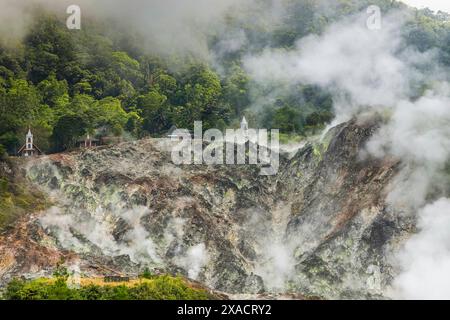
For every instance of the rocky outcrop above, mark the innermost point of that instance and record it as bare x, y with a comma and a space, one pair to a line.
320, 227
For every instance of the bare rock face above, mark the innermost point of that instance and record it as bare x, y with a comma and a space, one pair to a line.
340, 227
320, 227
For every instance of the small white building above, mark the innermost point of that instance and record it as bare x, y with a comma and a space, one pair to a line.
29, 149
244, 127
88, 142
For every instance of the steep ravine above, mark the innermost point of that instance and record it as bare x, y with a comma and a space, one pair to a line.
320, 227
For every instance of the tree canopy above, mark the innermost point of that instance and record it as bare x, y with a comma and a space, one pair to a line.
66, 83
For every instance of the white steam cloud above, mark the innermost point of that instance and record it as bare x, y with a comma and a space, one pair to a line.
371, 71
97, 228
194, 260
426, 256
361, 67
419, 134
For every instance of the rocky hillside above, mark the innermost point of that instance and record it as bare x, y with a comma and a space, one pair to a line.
320, 227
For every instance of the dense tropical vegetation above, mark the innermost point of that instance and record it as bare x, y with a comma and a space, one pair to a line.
100, 80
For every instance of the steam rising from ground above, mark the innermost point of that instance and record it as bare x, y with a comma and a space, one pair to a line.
85, 233
419, 134
276, 262
72, 229
365, 70
426, 257
116, 230
194, 260
374, 71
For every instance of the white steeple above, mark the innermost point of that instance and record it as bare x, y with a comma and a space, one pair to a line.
29, 140
29, 149
244, 125
244, 128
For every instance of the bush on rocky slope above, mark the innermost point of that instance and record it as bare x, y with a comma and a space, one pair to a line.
159, 288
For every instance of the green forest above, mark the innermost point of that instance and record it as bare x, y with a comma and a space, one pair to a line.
100, 80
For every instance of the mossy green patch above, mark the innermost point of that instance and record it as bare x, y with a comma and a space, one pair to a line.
290, 138
17, 197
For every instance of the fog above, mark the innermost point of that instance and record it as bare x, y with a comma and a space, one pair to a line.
374, 71
168, 26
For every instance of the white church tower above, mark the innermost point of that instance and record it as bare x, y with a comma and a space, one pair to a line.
244, 128
244, 125
29, 149
29, 141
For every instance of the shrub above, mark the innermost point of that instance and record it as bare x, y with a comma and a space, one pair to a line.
159, 288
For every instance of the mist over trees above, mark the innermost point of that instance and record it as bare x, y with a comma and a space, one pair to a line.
103, 80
